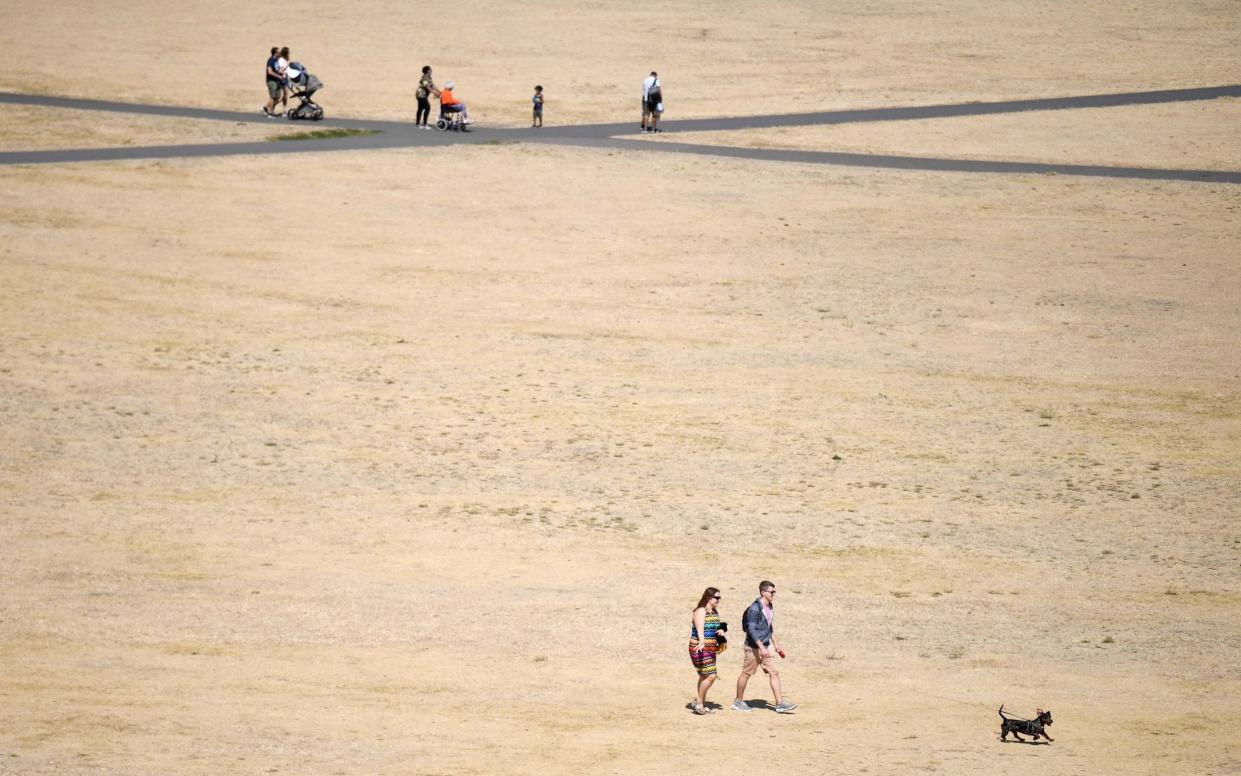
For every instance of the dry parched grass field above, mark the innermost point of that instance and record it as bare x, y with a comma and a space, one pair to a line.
324, 464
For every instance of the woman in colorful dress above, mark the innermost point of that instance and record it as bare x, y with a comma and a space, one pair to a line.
703, 645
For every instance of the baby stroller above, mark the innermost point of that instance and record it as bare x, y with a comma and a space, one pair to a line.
304, 85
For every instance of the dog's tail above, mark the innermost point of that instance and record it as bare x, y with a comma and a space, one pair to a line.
1010, 715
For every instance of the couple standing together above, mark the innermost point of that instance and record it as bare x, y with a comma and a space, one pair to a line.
277, 75
706, 641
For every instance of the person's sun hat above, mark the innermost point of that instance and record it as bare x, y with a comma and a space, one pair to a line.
449, 85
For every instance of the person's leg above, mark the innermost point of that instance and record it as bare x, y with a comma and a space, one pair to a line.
773, 675
747, 670
284, 99
742, 680
704, 684
272, 93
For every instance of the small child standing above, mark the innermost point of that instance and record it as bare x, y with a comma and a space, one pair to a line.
537, 99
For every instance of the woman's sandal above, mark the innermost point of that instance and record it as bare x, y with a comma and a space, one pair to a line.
701, 709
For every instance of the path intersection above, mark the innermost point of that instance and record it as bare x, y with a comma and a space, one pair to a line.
395, 134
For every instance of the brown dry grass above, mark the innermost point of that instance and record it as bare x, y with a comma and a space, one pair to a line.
374, 475
32, 128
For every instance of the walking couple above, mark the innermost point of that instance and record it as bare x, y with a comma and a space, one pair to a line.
706, 641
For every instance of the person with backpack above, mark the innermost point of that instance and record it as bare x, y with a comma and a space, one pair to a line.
761, 648
652, 102
656, 98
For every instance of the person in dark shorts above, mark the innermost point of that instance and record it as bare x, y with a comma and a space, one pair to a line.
647, 106
274, 86
655, 101
537, 99
426, 88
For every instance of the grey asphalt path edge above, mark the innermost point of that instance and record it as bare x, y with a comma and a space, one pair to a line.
401, 138
395, 134
935, 164
183, 112
909, 113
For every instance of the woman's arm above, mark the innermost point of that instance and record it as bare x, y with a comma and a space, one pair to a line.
700, 622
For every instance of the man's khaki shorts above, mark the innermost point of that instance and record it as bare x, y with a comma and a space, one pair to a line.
753, 660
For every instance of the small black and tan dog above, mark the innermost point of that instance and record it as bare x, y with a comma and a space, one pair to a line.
1029, 727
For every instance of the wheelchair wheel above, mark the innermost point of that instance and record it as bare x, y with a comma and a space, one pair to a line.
442, 125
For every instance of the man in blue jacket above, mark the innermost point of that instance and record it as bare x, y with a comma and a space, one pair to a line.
760, 644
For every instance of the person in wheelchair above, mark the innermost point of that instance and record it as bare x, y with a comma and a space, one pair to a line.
449, 104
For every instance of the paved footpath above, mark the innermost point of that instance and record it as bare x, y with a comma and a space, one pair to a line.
394, 134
